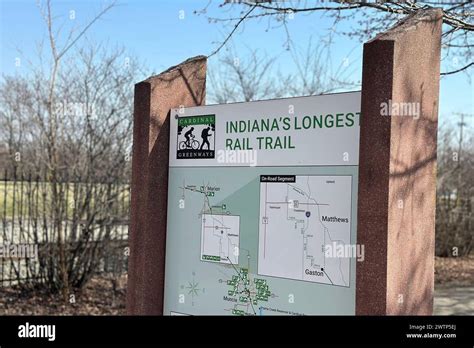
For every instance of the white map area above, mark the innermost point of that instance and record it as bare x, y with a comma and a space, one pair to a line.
220, 238
295, 228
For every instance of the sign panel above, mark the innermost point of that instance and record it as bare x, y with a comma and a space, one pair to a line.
262, 207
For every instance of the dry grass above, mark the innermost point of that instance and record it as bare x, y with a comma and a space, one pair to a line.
454, 270
98, 298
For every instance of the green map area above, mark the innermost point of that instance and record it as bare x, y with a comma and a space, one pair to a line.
213, 245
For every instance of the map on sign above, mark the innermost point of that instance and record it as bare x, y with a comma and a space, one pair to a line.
257, 217
300, 216
220, 238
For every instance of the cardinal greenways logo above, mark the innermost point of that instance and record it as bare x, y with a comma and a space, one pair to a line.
196, 137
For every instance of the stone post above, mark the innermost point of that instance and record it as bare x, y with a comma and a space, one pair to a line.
397, 168
182, 85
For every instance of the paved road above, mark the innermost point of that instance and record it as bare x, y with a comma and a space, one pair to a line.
451, 300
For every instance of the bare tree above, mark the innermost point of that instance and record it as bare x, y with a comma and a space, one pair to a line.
243, 78
250, 75
50, 121
369, 18
316, 72
455, 191
70, 121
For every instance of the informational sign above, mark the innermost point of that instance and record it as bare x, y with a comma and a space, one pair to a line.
262, 207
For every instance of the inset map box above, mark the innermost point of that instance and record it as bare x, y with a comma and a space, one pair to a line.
220, 238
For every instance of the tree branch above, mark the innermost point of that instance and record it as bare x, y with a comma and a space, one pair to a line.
232, 32
459, 70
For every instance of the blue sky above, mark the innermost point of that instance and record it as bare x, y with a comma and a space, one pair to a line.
153, 32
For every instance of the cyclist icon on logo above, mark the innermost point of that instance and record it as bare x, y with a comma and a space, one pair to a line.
190, 142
